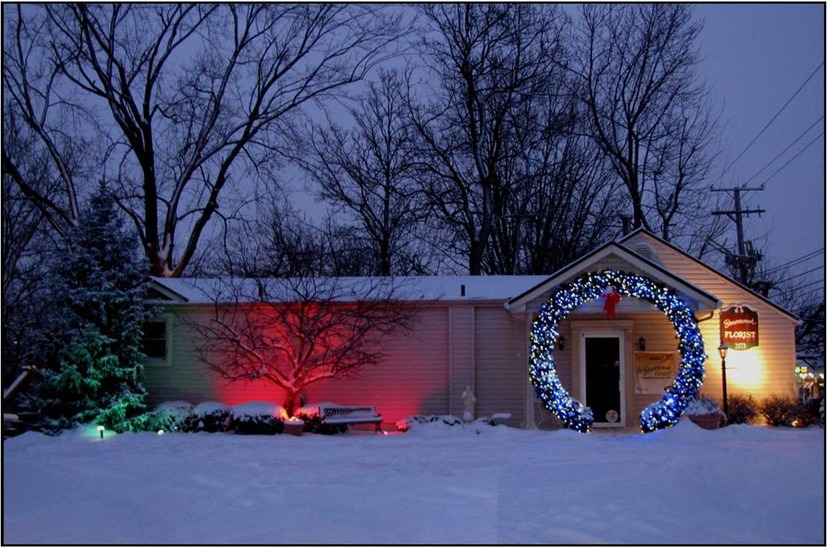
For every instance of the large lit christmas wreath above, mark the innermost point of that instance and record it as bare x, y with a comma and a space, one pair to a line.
587, 288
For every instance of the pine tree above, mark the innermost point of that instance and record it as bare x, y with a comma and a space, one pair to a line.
97, 289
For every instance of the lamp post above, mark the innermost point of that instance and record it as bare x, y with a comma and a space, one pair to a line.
722, 350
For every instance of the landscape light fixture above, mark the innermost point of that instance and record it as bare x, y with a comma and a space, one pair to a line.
100, 431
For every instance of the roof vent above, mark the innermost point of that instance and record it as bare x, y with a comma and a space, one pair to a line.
645, 251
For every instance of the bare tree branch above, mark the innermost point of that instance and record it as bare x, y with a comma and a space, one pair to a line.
185, 99
296, 332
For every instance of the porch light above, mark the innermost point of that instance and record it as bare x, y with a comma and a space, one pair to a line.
722, 350
561, 343
641, 344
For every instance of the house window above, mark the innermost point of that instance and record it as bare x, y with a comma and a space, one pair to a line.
155, 340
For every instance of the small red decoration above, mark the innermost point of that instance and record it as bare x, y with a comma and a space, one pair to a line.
612, 297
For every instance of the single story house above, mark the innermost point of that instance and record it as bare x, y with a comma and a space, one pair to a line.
476, 331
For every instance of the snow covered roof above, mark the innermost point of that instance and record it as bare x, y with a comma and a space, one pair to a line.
403, 288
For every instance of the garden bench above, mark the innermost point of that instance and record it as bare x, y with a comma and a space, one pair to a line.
330, 417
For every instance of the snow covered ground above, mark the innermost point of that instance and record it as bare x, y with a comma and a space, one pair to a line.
434, 484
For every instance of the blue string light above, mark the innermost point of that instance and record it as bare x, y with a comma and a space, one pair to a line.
543, 372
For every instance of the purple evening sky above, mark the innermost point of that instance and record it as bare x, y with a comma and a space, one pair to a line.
756, 56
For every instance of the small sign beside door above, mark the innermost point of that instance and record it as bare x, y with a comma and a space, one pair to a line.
739, 327
653, 371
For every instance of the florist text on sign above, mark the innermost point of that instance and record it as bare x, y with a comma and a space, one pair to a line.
739, 327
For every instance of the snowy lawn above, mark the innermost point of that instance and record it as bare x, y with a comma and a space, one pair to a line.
434, 484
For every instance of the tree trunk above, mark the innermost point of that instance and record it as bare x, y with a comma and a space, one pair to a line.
292, 402
475, 258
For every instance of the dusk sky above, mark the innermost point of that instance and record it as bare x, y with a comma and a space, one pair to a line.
756, 56
754, 59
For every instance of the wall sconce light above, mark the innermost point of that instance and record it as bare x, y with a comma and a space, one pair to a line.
561, 343
641, 344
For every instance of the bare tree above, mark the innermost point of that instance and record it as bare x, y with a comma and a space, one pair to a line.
24, 243
299, 331
557, 203
809, 335
368, 175
183, 104
487, 59
802, 295
647, 109
280, 241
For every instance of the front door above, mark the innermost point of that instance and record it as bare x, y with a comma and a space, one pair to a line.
602, 367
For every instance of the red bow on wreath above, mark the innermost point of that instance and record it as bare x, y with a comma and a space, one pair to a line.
612, 297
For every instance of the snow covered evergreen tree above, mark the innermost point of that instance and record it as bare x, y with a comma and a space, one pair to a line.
97, 290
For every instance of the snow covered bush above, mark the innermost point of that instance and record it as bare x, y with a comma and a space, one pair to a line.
209, 417
257, 417
171, 416
703, 406
446, 420
742, 409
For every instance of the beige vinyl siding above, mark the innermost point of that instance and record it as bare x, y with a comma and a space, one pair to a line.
461, 355
660, 337
412, 378
762, 371
182, 376
501, 373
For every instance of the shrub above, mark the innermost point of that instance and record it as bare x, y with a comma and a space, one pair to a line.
448, 420
742, 410
810, 412
787, 411
209, 417
169, 416
257, 418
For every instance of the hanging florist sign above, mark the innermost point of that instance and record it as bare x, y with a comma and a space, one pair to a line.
739, 327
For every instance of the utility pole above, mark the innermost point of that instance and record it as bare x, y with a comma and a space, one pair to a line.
747, 258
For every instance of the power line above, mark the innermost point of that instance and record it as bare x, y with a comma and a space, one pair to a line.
774, 117
808, 284
785, 150
819, 267
801, 259
800, 152
807, 294
747, 258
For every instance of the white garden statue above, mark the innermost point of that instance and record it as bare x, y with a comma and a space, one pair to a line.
468, 401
